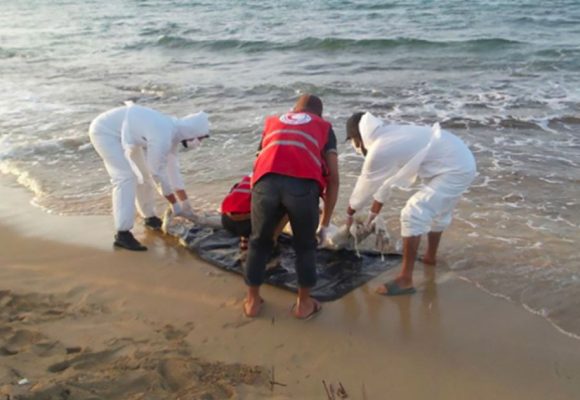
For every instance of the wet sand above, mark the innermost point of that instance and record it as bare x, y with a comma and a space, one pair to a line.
79, 320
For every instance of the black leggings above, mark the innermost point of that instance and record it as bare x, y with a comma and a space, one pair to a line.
238, 228
273, 196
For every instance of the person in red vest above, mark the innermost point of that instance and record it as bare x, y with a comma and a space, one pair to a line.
296, 165
235, 210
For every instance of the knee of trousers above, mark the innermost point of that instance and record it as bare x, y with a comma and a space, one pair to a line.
415, 221
441, 223
305, 245
124, 178
261, 241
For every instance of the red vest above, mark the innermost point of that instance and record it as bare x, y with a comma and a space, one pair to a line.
238, 201
292, 145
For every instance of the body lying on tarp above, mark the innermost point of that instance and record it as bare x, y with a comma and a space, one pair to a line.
339, 270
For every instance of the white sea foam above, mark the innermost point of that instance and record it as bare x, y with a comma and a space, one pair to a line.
23, 177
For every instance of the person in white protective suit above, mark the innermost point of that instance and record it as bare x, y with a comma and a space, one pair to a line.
139, 147
395, 155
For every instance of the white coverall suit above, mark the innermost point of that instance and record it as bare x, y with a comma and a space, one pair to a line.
397, 155
139, 148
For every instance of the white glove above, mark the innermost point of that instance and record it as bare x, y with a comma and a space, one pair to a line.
187, 211
176, 209
321, 234
349, 220
370, 219
382, 234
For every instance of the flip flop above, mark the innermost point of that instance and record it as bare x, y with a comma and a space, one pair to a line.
248, 315
317, 308
393, 289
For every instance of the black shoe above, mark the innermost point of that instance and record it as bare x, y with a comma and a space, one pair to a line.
153, 223
126, 240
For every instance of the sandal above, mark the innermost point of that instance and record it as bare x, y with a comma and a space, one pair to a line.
317, 308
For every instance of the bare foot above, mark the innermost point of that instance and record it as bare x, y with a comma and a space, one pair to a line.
252, 306
402, 284
306, 309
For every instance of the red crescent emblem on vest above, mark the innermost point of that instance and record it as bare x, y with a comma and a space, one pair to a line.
295, 118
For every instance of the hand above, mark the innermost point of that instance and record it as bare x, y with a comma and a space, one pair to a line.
382, 239
349, 220
321, 234
349, 216
176, 209
361, 231
187, 211
369, 223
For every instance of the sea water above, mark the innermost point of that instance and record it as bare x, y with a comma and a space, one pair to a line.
503, 75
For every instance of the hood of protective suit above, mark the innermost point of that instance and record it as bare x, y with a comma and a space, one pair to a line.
192, 126
368, 128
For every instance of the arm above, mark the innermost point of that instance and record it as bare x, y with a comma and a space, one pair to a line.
381, 163
157, 158
175, 177
331, 188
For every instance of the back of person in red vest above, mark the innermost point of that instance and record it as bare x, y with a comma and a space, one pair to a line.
235, 210
297, 164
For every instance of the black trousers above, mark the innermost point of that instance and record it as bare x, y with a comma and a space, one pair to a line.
274, 196
238, 228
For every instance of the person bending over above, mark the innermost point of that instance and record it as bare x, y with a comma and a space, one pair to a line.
297, 163
139, 147
394, 156
235, 212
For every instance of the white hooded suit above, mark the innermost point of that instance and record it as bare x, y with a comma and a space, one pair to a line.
397, 155
139, 148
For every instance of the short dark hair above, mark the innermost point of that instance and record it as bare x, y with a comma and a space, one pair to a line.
352, 130
309, 103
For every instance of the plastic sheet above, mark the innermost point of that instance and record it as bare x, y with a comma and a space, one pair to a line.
339, 271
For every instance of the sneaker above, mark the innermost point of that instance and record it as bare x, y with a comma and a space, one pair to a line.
126, 240
153, 223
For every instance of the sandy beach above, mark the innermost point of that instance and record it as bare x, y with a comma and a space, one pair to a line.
79, 320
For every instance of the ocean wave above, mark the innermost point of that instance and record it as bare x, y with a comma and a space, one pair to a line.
323, 44
508, 122
15, 151
534, 310
7, 53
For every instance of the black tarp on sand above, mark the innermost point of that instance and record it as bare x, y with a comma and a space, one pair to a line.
339, 271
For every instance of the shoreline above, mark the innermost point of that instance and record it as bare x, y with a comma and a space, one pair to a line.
451, 339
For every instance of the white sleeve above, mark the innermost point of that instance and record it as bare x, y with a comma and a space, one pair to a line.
380, 164
157, 158
175, 177
405, 175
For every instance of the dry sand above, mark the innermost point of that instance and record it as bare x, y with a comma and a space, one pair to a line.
79, 320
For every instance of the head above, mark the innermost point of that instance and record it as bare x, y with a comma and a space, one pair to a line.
353, 133
309, 103
192, 129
